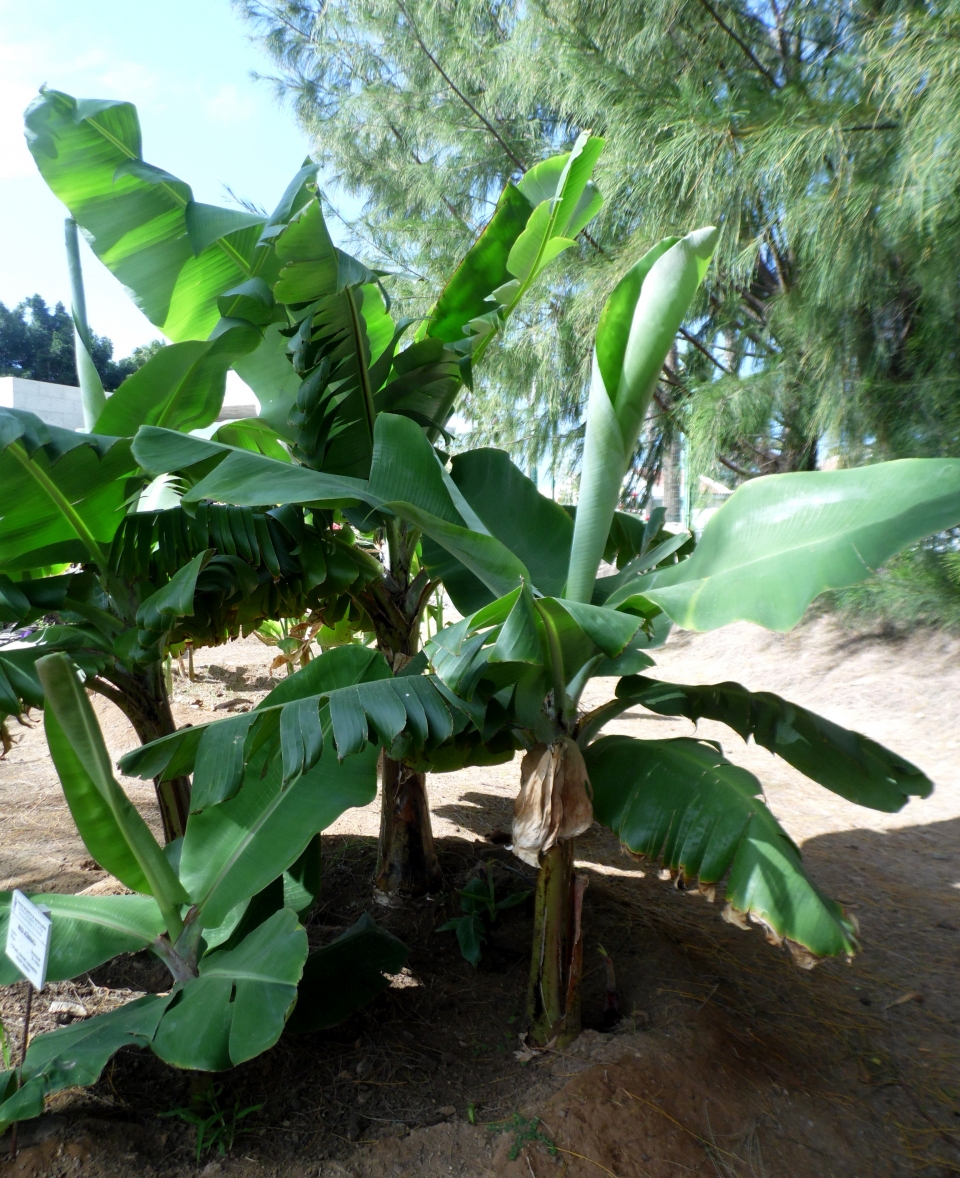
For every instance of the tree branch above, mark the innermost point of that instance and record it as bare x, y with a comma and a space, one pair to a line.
730, 465
743, 45
692, 339
459, 93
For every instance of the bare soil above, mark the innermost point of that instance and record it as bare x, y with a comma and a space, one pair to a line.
729, 1060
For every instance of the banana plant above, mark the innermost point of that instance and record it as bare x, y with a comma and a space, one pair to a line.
220, 907
325, 355
540, 624
329, 357
94, 571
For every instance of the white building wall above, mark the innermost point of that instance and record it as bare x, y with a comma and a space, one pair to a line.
56, 404
60, 404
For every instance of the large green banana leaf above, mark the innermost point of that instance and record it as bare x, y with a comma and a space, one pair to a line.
341, 667
74, 1056
181, 387
240, 476
238, 1005
116, 828
175, 256
233, 1002
234, 849
182, 261
107, 821
87, 931
508, 504
63, 492
850, 764
682, 804
781, 540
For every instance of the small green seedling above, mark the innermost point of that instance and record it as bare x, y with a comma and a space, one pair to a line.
218, 1130
525, 1132
480, 907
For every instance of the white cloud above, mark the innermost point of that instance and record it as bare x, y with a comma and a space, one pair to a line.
228, 105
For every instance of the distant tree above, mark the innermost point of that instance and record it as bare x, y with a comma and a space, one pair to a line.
37, 343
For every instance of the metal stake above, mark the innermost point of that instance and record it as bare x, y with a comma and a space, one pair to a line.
23, 1056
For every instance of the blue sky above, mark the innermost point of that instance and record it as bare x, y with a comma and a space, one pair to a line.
186, 65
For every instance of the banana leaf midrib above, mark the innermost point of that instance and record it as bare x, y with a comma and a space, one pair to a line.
224, 245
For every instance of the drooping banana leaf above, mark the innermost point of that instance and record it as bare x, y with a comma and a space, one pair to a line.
239, 1004
346, 328
74, 1056
850, 764
239, 476
683, 805
253, 433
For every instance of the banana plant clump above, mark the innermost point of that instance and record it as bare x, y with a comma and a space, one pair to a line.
538, 624
310, 329
347, 436
771, 549
220, 908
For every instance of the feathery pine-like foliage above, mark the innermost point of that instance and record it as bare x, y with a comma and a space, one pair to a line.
817, 133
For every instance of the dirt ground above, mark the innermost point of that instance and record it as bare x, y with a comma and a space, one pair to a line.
729, 1060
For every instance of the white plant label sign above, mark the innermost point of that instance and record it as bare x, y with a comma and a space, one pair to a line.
28, 938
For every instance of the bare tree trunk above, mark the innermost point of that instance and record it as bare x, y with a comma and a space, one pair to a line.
671, 481
141, 695
407, 860
553, 997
